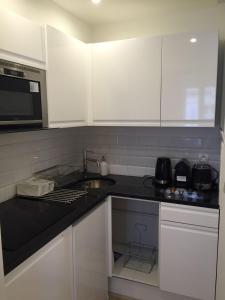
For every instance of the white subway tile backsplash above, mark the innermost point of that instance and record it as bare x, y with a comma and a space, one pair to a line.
118, 169
128, 150
128, 140
141, 161
7, 192
140, 147
22, 154
14, 163
11, 177
138, 171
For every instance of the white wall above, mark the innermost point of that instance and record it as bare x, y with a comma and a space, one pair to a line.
47, 12
165, 23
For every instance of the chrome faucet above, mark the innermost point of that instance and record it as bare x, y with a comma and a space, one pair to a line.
86, 159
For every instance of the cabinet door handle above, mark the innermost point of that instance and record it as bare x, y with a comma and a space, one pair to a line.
188, 227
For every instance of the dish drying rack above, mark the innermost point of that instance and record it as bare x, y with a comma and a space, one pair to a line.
141, 257
59, 174
137, 255
64, 196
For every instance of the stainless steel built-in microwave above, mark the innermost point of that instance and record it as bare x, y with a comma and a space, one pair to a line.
22, 95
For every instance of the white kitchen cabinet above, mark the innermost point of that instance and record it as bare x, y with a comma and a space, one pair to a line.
188, 253
193, 215
21, 41
90, 256
46, 275
189, 79
126, 82
67, 79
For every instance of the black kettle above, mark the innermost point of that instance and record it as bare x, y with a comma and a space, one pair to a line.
163, 172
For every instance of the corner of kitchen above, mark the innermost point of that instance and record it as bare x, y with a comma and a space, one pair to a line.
112, 150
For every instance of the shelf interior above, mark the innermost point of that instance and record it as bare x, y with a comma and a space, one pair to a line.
135, 228
120, 270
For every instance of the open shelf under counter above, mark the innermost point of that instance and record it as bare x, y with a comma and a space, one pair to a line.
121, 271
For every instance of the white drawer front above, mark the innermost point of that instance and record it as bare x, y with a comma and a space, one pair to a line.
193, 215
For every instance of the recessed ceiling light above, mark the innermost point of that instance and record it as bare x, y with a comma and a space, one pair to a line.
193, 40
96, 1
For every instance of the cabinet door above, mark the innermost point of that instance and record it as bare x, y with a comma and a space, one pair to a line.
126, 82
110, 258
189, 79
67, 79
2, 280
47, 275
188, 258
90, 256
21, 41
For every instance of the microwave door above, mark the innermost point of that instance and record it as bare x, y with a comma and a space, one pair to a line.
20, 101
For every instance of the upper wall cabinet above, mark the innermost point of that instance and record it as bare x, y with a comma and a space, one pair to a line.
189, 79
21, 41
67, 79
126, 82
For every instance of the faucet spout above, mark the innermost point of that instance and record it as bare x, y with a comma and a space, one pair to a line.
85, 162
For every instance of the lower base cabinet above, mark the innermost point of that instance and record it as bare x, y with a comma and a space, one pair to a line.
2, 279
188, 252
90, 256
46, 275
73, 266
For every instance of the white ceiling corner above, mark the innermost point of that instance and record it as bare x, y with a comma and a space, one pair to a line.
112, 11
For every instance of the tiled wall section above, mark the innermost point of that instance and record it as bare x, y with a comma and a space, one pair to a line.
129, 151
22, 154
133, 151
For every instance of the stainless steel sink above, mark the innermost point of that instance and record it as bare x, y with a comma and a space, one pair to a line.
96, 183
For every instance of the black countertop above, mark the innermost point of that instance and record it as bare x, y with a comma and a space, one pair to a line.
27, 225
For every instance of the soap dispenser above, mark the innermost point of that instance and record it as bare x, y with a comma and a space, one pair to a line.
104, 169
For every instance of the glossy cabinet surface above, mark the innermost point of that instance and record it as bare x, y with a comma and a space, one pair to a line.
67, 79
188, 256
159, 81
126, 82
2, 279
192, 215
169, 81
46, 275
21, 41
189, 79
90, 256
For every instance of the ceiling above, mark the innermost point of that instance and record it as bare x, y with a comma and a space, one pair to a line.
110, 11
